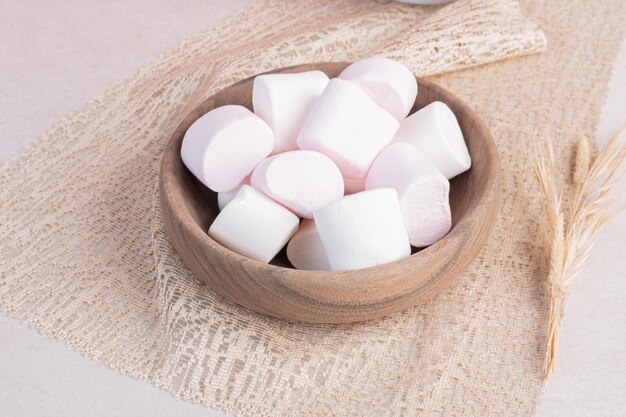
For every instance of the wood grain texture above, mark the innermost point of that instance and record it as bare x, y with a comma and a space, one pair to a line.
278, 290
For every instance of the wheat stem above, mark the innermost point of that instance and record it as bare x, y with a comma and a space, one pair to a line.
583, 160
570, 235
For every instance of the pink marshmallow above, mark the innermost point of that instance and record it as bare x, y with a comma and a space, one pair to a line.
353, 187
302, 181
349, 127
388, 83
422, 190
222, 147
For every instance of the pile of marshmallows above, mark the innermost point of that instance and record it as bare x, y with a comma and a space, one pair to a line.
368, 181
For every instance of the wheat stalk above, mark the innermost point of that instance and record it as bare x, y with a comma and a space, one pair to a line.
570, 233
583, 161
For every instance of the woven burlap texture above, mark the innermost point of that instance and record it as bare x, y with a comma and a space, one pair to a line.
84, 257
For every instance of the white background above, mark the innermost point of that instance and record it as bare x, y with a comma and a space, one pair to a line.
55, 56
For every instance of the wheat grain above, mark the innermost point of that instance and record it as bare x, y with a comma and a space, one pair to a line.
570, 234
583, 160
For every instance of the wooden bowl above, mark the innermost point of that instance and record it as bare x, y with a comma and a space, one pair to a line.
278, 290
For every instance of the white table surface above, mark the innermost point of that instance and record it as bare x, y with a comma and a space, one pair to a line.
56, 56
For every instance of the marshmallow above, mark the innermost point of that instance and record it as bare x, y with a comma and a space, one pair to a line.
254, 225
348, 127
353, 187
226, 197
435, 132
363, 230
222, 147
302, 181
305, 250
388, 83
422, 190
284, 101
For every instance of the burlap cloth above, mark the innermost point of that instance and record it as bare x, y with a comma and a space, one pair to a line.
84, 257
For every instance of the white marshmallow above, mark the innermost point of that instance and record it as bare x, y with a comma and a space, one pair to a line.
222, 147
348, 127
254, 225
302, 181
226, 197
422, 190
435, 132
305, 250
284, 101
388, 83
363, 230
